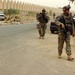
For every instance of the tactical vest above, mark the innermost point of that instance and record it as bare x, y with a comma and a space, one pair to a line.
42, 18
68, 21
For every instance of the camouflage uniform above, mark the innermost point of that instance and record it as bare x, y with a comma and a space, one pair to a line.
43, 19
62, 35
42, 29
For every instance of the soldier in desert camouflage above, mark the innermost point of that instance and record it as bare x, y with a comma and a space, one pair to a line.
65, 27
43, 20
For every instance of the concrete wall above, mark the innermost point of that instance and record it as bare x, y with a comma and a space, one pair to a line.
7, 4
0, 4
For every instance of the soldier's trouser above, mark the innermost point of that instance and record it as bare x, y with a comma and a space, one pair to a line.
42, 30
61, 40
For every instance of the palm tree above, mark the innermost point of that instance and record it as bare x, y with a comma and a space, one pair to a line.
72, 1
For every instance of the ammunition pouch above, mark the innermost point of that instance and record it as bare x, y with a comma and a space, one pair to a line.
41, 26
68, 27
38, 26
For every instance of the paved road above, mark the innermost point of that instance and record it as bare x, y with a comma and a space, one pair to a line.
22, 53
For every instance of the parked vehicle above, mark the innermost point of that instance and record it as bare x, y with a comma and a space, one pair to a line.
2, 17
53, 27
74, 20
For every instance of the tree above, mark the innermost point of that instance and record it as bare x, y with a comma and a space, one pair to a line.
71, 1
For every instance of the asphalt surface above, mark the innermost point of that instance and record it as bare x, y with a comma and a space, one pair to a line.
23, 53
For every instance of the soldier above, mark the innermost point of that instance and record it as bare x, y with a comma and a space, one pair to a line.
65, 24
54, 15
43, 20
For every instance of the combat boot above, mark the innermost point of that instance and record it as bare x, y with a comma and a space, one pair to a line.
59, 56
42, 37
70, 58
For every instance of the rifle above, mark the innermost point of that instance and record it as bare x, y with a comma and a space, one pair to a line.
64, 30
73, 33
69, 26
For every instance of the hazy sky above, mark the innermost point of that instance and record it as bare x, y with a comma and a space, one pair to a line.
51, 3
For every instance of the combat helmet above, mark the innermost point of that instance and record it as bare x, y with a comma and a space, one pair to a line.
66, 7
43, 10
